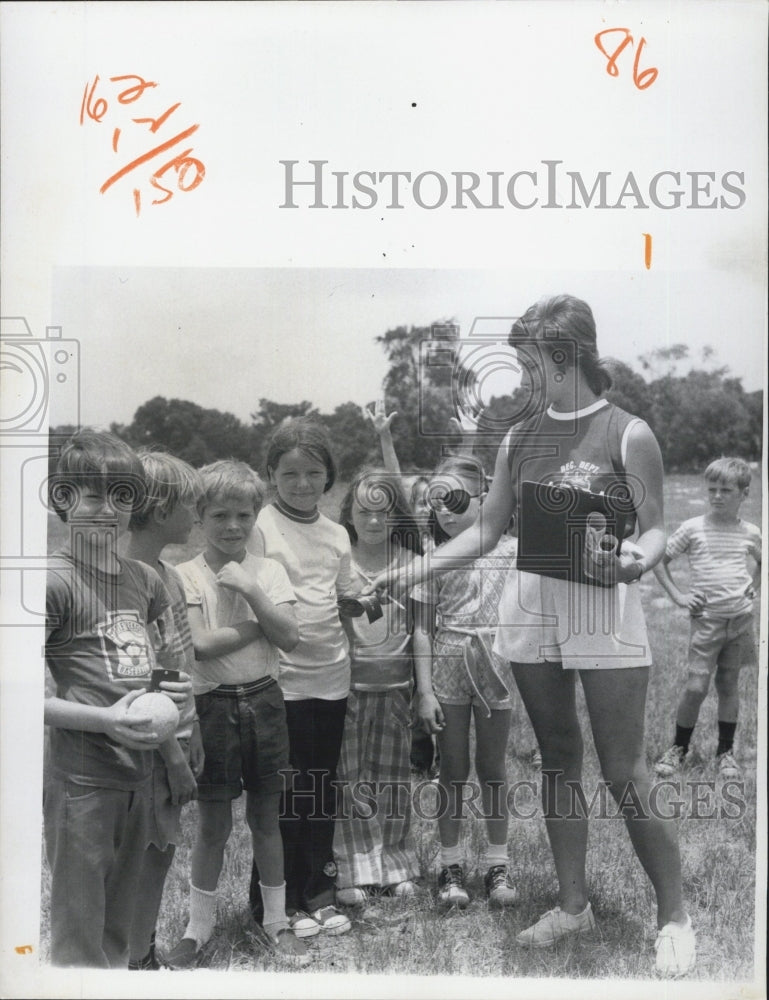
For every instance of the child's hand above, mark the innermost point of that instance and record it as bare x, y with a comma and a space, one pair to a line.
693, 601
181, 782
127, 731
378, 418
233, 577
430, 713
178, 691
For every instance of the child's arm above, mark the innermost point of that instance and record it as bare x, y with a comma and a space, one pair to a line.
181, 780
277, 621
428, 707
110, 719
381, 424
692, 600
212, 642
755, 572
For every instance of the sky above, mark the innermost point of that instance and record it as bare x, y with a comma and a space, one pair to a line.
225, 338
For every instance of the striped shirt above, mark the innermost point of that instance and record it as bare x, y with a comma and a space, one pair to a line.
718, 564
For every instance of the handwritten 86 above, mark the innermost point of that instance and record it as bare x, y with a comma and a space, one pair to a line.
643, 78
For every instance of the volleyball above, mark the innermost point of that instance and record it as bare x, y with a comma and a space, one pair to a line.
162, 713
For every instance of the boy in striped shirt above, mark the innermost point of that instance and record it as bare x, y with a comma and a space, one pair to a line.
724, 554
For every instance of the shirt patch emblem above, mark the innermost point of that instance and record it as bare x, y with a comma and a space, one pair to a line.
125, 645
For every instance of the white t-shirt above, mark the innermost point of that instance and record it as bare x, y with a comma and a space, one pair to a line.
221, 607
316, 556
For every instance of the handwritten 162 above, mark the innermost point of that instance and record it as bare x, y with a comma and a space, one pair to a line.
189, 170
641, 78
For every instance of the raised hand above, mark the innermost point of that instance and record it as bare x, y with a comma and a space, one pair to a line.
378, 417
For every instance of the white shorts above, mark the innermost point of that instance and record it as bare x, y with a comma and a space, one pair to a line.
583, 627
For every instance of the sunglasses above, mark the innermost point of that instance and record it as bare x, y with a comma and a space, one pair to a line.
455, 501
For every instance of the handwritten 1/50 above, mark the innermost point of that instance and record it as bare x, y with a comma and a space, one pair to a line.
190, 171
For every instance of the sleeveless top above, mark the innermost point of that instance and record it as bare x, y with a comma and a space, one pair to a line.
545, 619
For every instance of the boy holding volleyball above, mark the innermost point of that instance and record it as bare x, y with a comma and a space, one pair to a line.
724, 554
99, 611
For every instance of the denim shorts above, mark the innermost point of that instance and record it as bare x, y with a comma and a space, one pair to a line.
724, 642
245, 740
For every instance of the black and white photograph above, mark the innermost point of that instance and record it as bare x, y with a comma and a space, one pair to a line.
383, 459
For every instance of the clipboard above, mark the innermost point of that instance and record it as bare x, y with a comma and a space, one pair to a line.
556, 523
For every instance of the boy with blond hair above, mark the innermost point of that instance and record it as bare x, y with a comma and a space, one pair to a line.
166, 518
240, 609
719, 546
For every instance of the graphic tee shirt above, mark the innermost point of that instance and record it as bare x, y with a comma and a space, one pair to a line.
222, 606
99, 649
718, 567
316, 556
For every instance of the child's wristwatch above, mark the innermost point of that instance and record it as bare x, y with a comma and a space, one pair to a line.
641, 564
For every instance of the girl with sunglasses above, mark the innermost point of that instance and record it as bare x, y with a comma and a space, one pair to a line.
460, 678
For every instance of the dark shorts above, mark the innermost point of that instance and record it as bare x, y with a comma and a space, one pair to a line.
245, 740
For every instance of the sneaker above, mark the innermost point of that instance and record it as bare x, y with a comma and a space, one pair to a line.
499, 889
401, 890
354, 895
555, 925
184, 955
670, 762
150, 963
728, 766
286, 947
331, 921
676, 949
451, 887
303, 925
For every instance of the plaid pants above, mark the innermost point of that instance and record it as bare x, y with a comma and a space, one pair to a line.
373, 844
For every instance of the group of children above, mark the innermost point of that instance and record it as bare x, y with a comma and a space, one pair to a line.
287, 692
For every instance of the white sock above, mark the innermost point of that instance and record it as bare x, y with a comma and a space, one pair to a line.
274, 901
452, 855
202, 916
495, 854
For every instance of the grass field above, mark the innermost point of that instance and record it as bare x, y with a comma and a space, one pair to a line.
719, 852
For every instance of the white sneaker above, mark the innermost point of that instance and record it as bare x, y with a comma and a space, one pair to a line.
499, 889
331, 921
451, 887
676, 949
303, 925
555, 925
354, 895
401, 890
670, 762
727, 766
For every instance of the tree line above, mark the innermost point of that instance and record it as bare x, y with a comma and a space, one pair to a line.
697, 413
